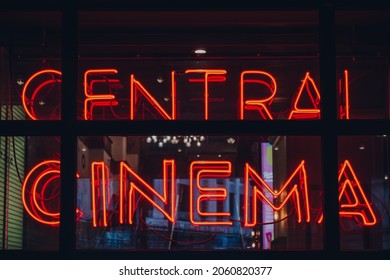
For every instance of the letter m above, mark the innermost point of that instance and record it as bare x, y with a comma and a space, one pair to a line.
132, 188
294, 189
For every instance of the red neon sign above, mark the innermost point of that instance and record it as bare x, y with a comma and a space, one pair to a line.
29, 102
303, 112
207, 169
295, 188
137, 90
257, 104
131, 184
100, 193
93, 99
304, 106
210, 75
353, 201
39, 182
40, 193
344, 92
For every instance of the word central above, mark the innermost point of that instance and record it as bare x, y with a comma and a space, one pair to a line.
257, 90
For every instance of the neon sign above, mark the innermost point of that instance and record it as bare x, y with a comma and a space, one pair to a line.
295, 188
41, 193
39, 82
97, 84
41, 187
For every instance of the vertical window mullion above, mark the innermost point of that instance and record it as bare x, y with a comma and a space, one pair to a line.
329, 135
68, 130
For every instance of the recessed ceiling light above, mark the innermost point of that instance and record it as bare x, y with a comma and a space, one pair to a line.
230, 140
160, 79
200, 51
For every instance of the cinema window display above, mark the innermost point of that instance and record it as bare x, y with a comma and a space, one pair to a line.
194, 131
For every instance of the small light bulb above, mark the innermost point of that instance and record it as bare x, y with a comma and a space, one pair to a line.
160, 79
200, 51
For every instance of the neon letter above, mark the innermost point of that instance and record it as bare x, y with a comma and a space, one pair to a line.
97, 99
296, 189
100, 192
131, 183
208, 169
257, 104
28, 103
353, 201
208, 77
344, 107
301, 111
137, 89
35, 185
42, 182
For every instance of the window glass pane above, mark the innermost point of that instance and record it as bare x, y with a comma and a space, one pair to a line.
29, 193
199, 192
30, 65
363, 64
198, 66
364, 192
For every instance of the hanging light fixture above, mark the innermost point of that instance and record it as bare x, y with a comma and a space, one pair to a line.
186, 140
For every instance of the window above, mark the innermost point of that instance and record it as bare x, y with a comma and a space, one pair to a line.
257, 129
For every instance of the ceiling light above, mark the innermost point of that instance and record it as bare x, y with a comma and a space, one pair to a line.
200, 51
19, 81
361, 147
230, 140
160, 79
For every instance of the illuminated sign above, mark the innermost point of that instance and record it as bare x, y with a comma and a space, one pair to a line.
263, 86
41, 188
41, 193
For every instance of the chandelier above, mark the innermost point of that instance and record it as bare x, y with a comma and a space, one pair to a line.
187, 140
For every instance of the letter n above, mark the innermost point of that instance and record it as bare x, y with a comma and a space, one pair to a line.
137, 90
132, 184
